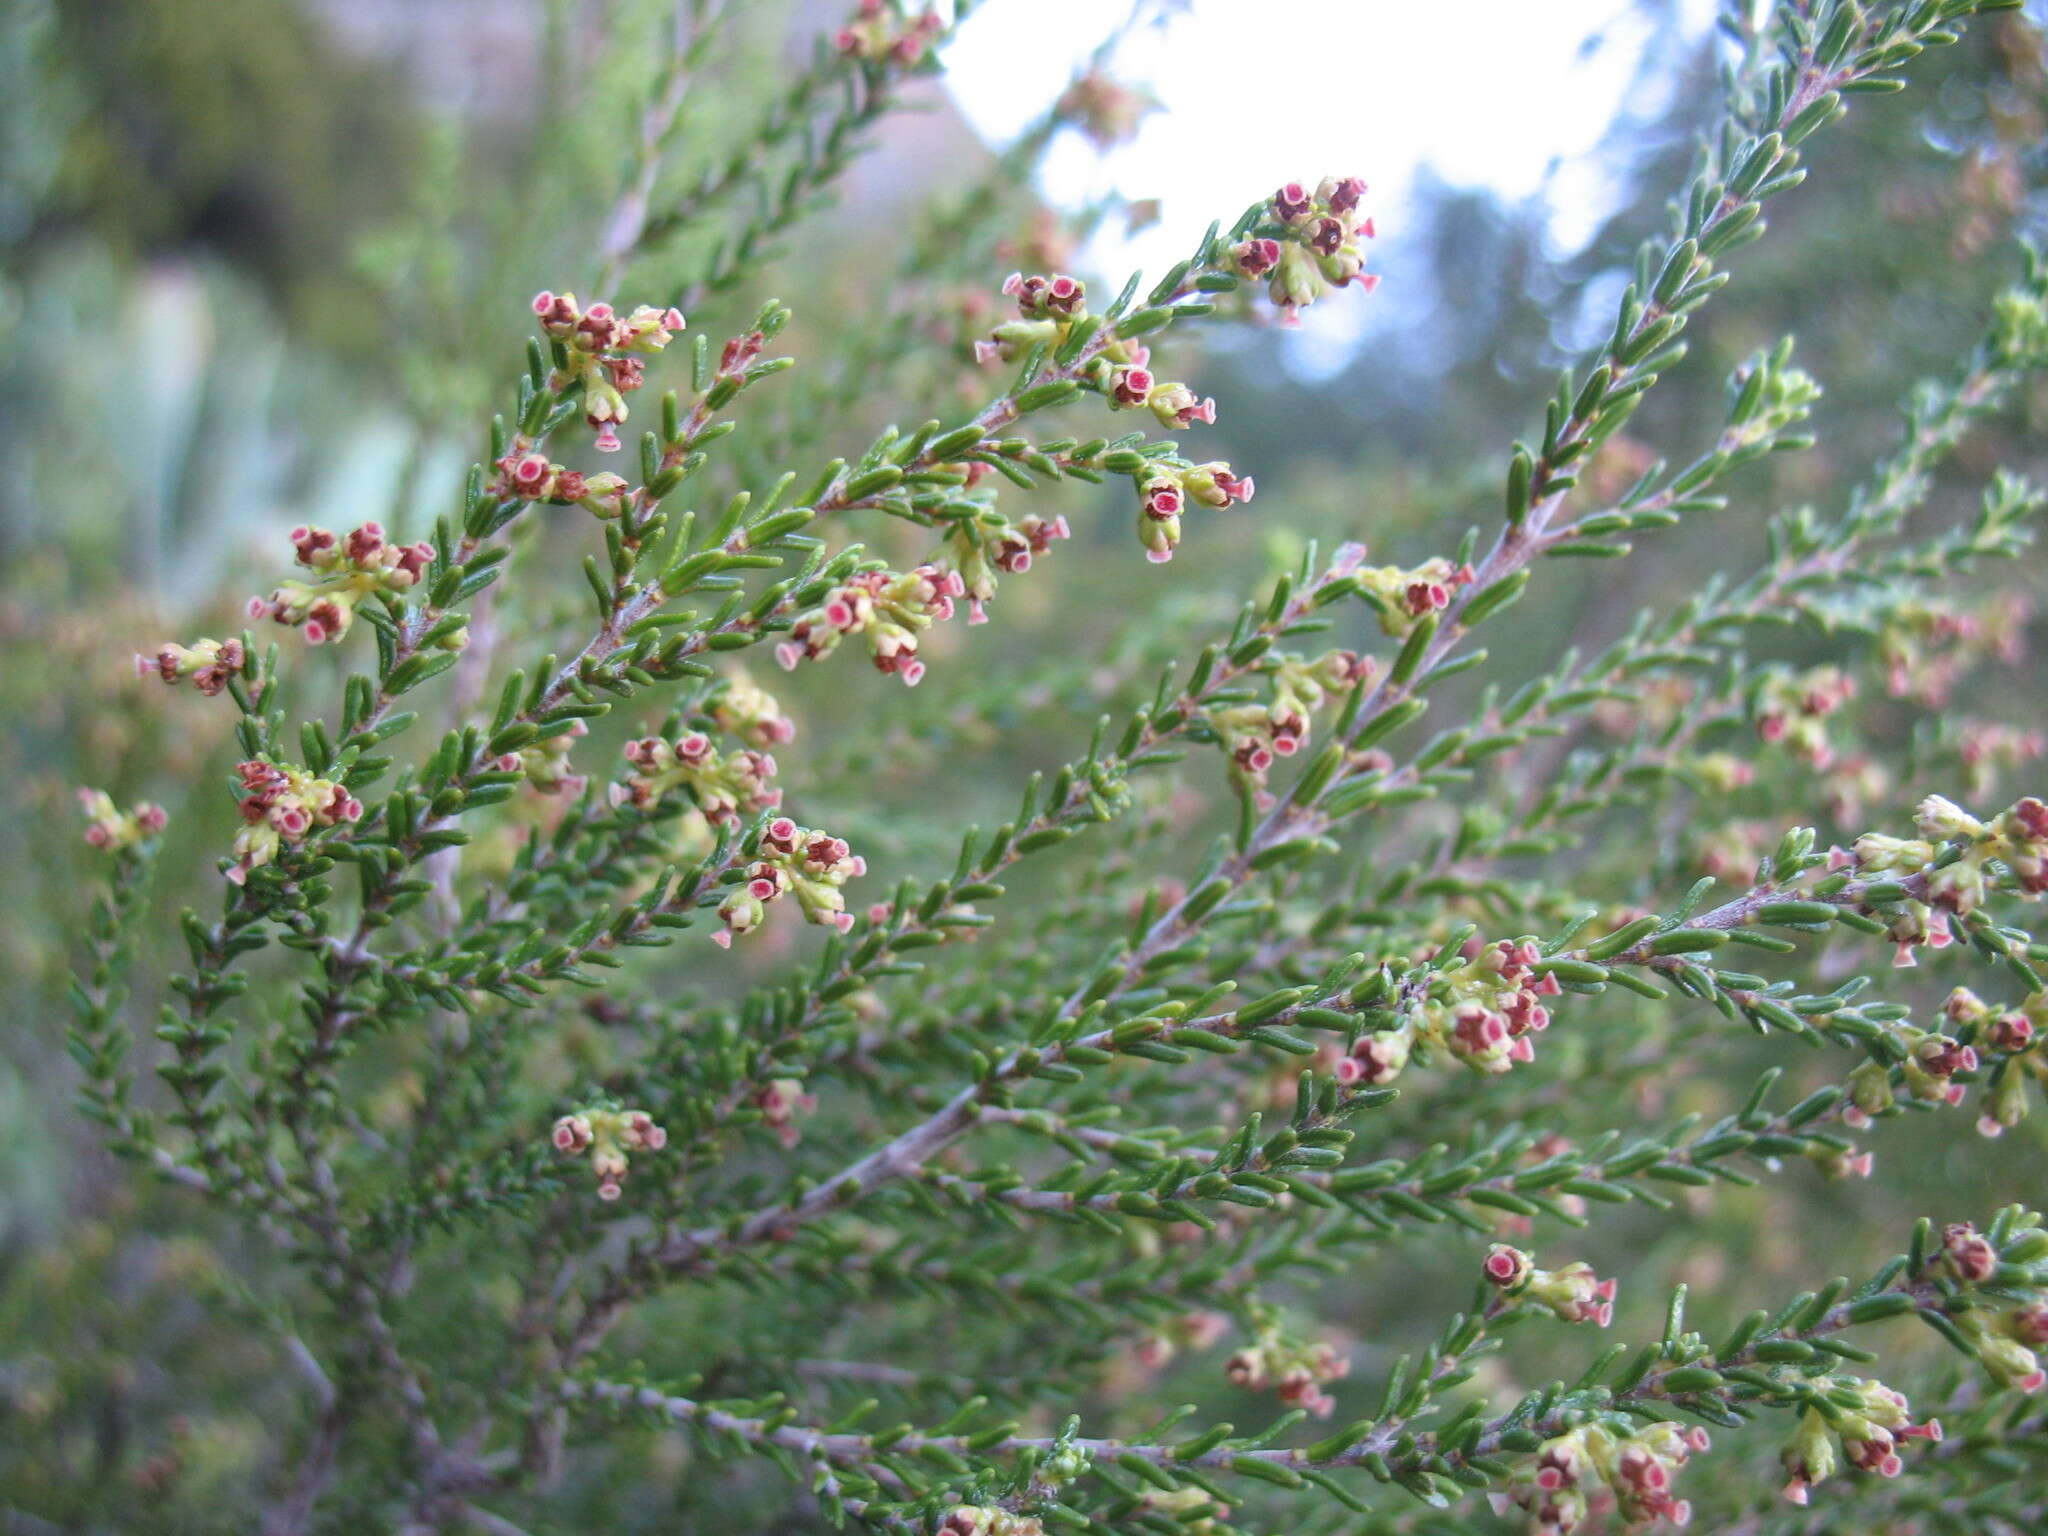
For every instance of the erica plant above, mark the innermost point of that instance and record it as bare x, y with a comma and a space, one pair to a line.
1326, 1035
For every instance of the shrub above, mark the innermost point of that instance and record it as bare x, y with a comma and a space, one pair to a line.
555, 1200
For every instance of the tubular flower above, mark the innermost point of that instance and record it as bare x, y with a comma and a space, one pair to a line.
607, 1133
345, 571
1165, 490
1312, 245
889, 608
1402, 596
1254, 735
206, 664
280, 804
979, 547
1870, 1435
812, 866
604, 354
111, 829
724, 786
1789, 711
546, 763
743, 709
1573, 1294
1296, 1370
1047, 308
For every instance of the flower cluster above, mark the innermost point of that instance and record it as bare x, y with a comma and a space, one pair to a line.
1868, 1418
1402, 596
1632, 1471
780, 1102
1960, 857
1484, 1011
1191, 1330
525, 474
112, 829
345, 571
280, 804
793, 860
889, 608
1927, 645
1166, 489
1294, 1369
1254, 735
1989, 748
1133, 386
546, 763
880, 30
604, 354
2011, 1035
725, 786
1789, 710
1105, 108
608, 1133
1573, 1294
978, 547
206, 664
1047, 310
744, 709
1313, 244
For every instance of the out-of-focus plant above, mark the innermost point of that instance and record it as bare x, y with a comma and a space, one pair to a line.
534, 1182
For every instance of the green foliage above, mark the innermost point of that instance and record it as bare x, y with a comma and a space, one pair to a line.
1334, 989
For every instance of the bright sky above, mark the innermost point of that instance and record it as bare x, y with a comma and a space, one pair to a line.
1512, 94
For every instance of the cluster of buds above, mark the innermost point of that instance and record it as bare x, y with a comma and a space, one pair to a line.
1573, 1294
978, 547
2005, 1342
1296, 1371
526, 474
1402, 596
546, 763
725, 786
811, 865
1932, 1062
1166, 490
2008, 1344
743, 709
608, 1134
206, 664
1789, 711
280, 804
604, 354
1315, 248
1376, 1058
881, 31
1047, 308
1956, 850
1132, 386
1255, 735
988, 1520
2011, 1036
113, 829
1635, 1471
889, 608
345, 571
1191, 1330
1990, 748
1105, 109
780, 1102
1926, 646
1869, 1420
1484, 1011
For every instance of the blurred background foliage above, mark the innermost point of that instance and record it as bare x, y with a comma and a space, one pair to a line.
264, 263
